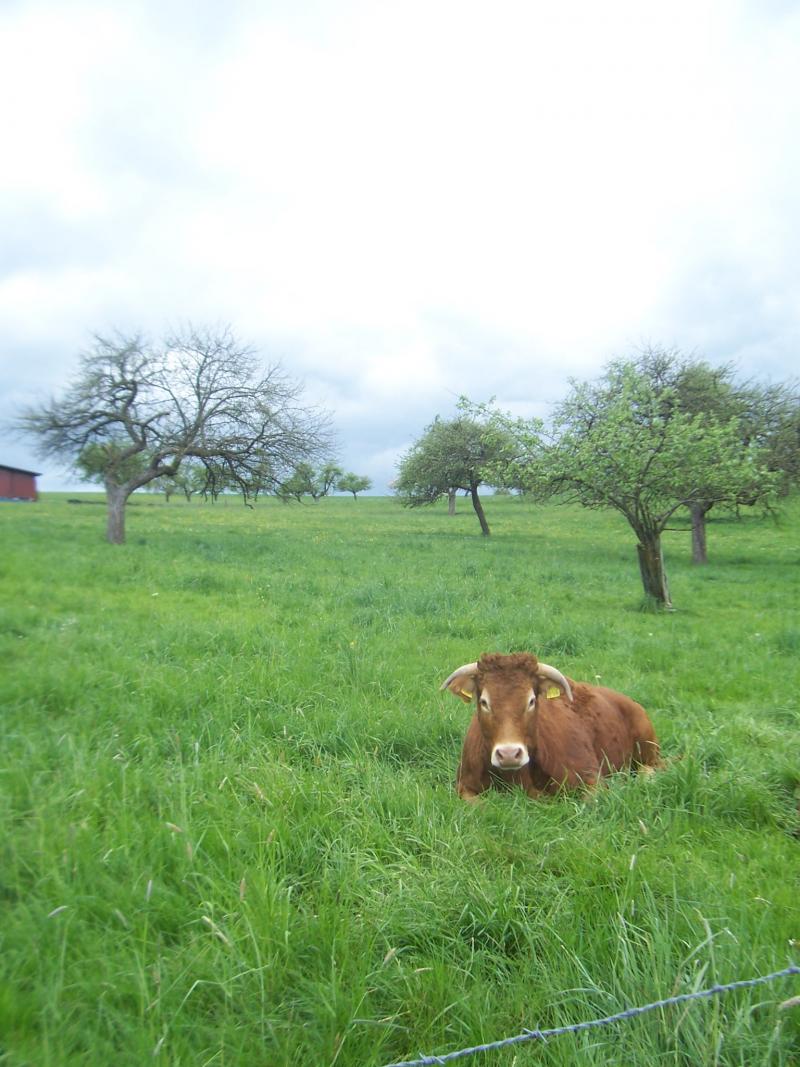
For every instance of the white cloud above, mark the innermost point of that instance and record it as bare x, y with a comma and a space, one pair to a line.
405, 201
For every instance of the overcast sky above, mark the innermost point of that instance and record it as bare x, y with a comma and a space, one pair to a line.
400, 201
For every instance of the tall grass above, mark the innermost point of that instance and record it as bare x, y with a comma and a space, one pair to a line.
229, 833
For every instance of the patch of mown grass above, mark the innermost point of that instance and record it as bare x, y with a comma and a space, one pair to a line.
229, 832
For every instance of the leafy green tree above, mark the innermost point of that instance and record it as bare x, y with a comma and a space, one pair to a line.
96, 458
700, 390
307, 480
137, 411
767, 420
194, 478
772, 420
625, 442
298, 484
451, 454
190, 478
327, 479
167, 486
353, 483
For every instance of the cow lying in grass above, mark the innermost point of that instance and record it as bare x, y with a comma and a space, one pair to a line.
537, 729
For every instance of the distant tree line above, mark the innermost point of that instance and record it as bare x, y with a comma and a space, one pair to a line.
657, 434
310, 481
306, 480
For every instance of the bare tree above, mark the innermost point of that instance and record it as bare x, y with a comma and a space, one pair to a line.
137, 410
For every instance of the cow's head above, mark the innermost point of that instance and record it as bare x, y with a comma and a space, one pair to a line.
507, 691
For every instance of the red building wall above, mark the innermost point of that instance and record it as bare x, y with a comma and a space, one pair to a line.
17, 484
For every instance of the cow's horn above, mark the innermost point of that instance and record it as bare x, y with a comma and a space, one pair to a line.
468, 668
557, 677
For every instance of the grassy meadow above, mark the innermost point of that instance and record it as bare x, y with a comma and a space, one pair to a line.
228, 826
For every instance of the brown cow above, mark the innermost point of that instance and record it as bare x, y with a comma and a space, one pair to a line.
537, 729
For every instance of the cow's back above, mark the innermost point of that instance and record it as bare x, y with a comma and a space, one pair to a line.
620, 728
601, 731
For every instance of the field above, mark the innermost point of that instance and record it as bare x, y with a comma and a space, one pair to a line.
228, 826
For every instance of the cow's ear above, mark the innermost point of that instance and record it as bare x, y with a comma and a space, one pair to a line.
464, 688
552, 683
551, 690
462, 683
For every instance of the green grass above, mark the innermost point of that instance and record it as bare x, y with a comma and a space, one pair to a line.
229, 831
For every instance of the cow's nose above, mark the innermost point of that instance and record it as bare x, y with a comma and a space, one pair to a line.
510, 756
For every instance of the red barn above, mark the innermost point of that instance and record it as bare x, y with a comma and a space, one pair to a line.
16, 484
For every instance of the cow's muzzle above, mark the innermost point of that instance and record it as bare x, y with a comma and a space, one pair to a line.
510, 757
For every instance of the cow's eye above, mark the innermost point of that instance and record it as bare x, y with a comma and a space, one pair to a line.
532, 702
484, 704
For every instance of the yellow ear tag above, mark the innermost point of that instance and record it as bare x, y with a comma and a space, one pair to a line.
553, 692
465, 695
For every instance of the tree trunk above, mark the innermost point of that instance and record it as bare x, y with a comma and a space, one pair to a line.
698, 513
451, 501
476, 503
117, 496
651, 565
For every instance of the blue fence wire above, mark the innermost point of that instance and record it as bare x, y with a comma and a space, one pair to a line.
629, 1013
